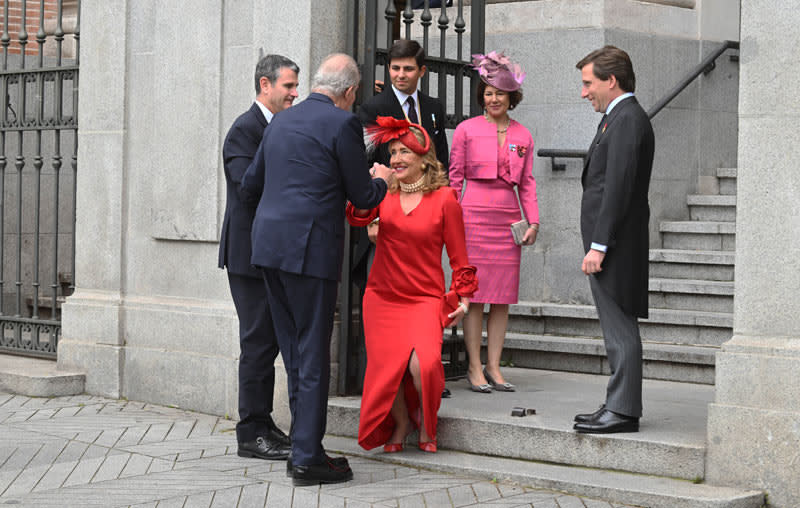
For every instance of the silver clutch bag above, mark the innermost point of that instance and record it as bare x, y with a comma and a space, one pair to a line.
518, 230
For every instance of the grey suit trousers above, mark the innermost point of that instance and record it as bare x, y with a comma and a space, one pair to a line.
624, 350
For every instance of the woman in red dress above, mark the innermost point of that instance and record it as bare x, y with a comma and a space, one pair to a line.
405, 305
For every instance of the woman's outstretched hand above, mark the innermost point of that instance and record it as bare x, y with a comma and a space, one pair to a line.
461, 311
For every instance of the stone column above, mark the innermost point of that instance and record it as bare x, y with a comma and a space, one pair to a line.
92, 329
754, 424
161, 82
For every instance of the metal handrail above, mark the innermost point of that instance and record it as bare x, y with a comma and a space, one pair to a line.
707, 65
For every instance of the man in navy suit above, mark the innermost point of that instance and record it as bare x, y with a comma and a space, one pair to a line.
614, 225
310, 162
256, 433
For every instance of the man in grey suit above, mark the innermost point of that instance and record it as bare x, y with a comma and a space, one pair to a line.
614, 226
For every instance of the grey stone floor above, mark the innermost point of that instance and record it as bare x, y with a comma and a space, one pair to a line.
83, 451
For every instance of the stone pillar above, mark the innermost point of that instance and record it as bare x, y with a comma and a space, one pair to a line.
92, 336
152, 317
754, 424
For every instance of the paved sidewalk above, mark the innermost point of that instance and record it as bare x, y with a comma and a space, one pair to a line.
83, 451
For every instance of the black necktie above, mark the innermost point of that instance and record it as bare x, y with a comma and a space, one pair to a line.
412, 110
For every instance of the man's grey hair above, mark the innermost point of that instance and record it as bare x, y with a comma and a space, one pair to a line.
270, 67
336, 74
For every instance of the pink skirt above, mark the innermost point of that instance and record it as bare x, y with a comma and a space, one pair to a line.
490, 207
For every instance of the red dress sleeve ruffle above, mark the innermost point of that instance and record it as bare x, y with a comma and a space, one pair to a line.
465, 281
356, 221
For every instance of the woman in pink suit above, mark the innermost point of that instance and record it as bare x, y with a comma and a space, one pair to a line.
491, 155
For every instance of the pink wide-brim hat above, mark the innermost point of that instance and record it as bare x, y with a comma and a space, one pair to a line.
499, 71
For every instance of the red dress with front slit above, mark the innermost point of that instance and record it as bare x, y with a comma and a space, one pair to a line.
403, 304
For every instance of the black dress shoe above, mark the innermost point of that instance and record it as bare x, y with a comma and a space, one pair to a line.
446, 393
330, 471
264, 448
277, 435
608, 422
589, 417
339, 461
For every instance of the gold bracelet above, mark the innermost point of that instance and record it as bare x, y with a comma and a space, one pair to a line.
534, 226
375, 221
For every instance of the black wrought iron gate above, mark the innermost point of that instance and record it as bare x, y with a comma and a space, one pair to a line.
40, 45
373, 26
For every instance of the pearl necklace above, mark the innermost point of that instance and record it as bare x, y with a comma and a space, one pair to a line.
486, 116
412, 187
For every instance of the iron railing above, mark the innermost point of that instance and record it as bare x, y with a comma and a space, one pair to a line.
704, 67
38, 132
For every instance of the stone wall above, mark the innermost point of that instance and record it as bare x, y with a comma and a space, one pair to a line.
152, 318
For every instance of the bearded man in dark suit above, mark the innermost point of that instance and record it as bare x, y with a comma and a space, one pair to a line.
256, 432
614, 226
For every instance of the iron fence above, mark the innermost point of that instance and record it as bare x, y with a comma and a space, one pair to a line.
39, 60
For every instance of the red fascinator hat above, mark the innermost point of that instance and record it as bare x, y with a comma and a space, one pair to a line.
499, 71
387, 128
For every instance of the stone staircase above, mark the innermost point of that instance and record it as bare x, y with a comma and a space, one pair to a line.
691, 303
556, 348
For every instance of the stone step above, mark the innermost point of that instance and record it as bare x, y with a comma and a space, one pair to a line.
698, 235
612, 486
669, 362
668, 326
712, 207
727, 181
35, 377
683, 264
688, 294
670, 443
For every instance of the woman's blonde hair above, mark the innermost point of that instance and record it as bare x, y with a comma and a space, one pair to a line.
432, 170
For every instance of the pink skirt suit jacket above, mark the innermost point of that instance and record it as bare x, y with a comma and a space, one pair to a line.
489, 202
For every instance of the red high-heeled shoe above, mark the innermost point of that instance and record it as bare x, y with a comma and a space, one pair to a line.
392, 447
397, 447
428, 446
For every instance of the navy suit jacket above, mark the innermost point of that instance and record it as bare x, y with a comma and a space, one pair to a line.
309, 163
238, 151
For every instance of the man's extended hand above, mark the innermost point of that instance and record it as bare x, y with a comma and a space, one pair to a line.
592, 262
380, 171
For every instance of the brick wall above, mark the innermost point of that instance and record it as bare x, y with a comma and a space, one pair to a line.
32, 22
